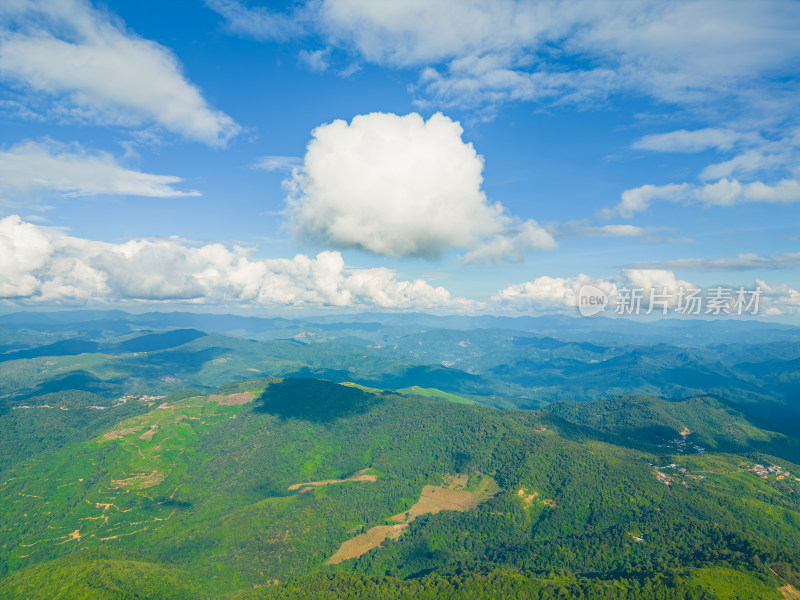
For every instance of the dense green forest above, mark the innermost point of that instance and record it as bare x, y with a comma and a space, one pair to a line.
195, 492
152, 464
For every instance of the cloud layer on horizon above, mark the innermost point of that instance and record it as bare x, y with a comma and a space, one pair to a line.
44, 265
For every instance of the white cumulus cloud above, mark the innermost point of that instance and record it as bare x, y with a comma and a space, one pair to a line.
778, 298
24, 249
560, 293
91, 67
553, 293
402, 186
661, 281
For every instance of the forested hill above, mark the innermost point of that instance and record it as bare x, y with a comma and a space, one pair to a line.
298, 488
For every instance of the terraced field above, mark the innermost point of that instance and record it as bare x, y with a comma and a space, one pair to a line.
112, 487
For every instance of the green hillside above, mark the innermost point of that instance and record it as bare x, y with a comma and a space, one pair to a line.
680, 425
250, 491
416, 390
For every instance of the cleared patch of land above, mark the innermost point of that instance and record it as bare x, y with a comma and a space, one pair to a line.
435, 499
233, 399
527, 499
361, 475
364, 542
148, 435
452, 495
789, 592
141, 481
120, 433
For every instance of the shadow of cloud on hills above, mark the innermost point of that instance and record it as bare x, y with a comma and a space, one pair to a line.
180, 360
314, 400
75, 380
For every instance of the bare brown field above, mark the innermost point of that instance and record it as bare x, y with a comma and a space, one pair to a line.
120, 433
432, 500
435, 499
237, 399
357, 476
148, 435
364, 542
527, 498
233, 399
789, 592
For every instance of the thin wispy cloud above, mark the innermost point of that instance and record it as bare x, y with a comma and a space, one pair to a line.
742, 262
584, 229
278, 163
72, 171
489, 52
259, 22
73, 62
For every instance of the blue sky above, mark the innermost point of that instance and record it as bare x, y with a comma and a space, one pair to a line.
482, 156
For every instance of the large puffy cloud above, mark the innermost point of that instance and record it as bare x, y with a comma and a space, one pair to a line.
94, 69
402, 186
39, 264
70, 169
24, 250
